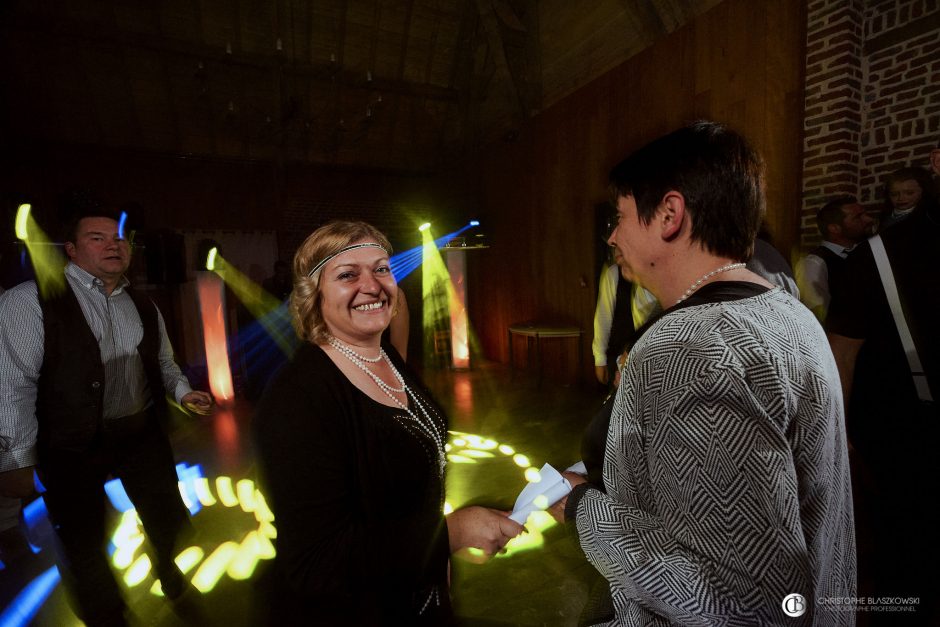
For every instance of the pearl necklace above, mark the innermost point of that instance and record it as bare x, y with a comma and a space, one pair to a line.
427, 426
360, 361
705, 277
347, 350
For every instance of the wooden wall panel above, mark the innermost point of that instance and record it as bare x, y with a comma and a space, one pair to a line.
739, 63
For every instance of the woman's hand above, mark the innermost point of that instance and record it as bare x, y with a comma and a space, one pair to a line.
557, 510
482, 528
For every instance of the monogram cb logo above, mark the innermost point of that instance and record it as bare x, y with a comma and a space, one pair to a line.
794, 605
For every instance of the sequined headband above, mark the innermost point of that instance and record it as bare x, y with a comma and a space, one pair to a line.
340, 252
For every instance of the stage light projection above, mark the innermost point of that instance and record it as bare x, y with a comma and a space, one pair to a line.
404, 263
45, 255
470, 448
212, 305
459, 333
256, 300
446, 328
234, 514
242, 509
121, 222
23, 608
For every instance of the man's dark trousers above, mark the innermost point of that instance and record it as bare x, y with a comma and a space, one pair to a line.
136, 450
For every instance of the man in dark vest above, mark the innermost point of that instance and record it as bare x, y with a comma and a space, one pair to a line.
82, 378
843, 224
891, 388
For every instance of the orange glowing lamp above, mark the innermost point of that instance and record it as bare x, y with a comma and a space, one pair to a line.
212, 305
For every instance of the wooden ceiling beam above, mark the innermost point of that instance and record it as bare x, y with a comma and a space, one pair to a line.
498, 53
64, 29
515, 50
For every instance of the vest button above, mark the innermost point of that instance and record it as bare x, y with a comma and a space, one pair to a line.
96, 384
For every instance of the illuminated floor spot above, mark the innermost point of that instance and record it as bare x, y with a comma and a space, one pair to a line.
469, 448
237, 509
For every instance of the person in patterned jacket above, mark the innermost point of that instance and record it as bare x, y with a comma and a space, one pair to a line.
726, 496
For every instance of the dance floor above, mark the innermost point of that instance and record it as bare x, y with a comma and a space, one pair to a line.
502, 423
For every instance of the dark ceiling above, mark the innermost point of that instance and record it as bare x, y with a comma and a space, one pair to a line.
412, 85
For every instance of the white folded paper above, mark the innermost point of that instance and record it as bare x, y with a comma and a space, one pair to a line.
578, 467
538, 495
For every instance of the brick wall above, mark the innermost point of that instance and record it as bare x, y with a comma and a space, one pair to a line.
872, 97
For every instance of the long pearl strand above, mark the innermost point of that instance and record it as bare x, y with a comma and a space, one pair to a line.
426, 426
705, 277
360, 361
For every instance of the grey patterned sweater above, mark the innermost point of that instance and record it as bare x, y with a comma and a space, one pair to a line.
726, 472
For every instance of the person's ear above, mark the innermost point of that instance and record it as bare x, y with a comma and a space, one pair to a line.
70, 249
671, 214
935, 160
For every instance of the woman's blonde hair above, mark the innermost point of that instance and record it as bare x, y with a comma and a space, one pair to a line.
305, 301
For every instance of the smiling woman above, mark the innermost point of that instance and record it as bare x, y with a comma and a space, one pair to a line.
352, 453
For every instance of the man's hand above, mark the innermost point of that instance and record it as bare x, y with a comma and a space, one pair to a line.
198, 402
601, 373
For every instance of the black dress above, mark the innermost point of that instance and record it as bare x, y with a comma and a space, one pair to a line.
357, 495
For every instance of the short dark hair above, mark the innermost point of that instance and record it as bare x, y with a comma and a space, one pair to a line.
71, 232
831, 213
79, 203
718, 173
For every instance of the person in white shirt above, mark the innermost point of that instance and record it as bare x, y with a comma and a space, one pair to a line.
622, 308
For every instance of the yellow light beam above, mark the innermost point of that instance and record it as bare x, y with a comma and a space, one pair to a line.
263, 513
445, 319
212, 569
265, 548
203, 492
181, 486
188, 558
245, 489
223, 485
138, 571
48, 261
124, 554
243, 564
22, 221
256, 300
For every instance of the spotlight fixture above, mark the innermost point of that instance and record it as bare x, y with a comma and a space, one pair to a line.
424, 227
474, 223
22, 216
206, 252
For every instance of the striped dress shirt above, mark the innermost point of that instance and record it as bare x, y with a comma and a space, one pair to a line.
115, 323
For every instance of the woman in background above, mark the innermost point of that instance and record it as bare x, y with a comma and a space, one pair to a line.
351, 449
